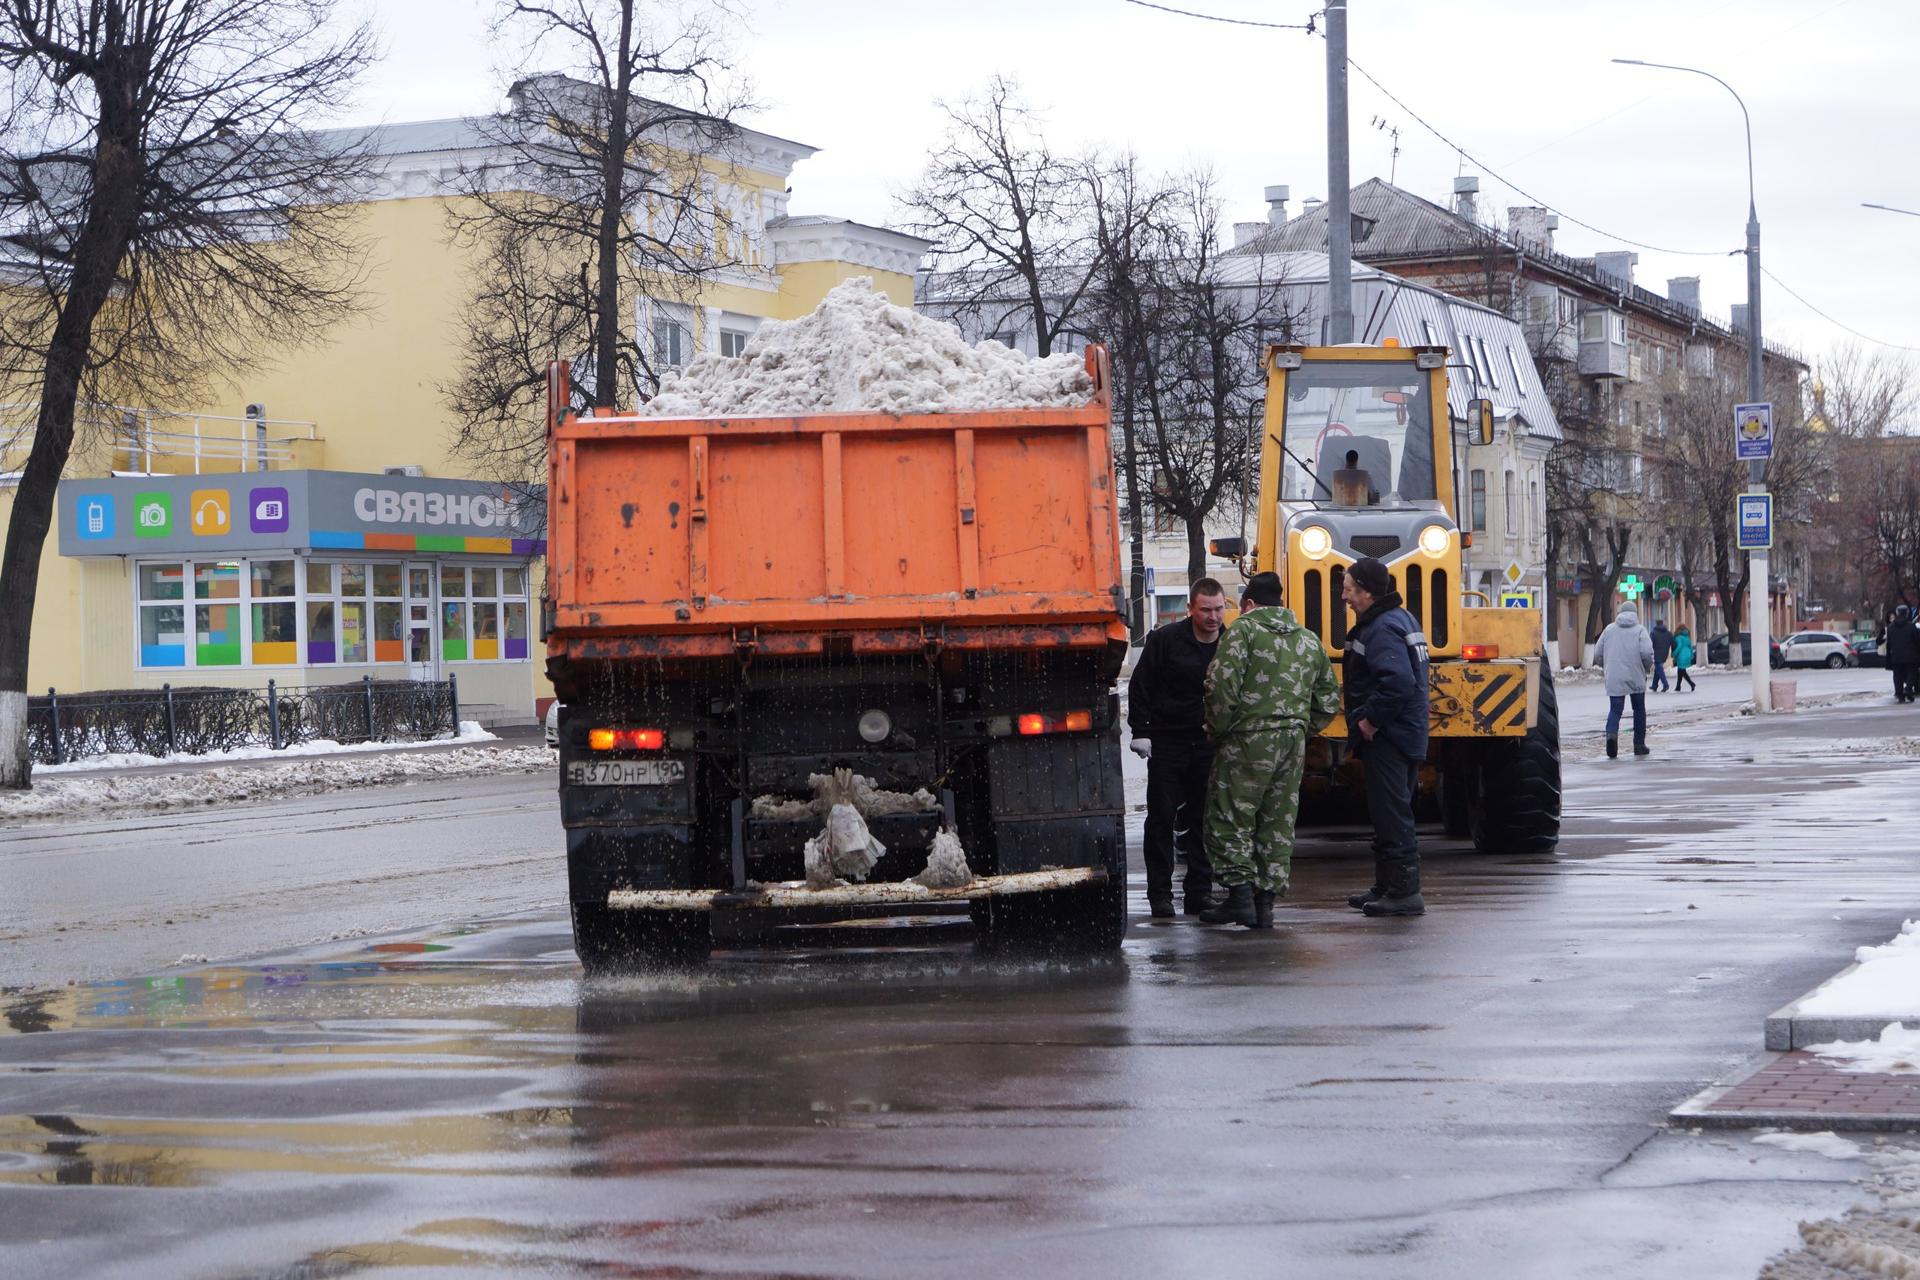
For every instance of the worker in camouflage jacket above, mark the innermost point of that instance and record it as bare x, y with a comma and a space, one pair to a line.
1269, 689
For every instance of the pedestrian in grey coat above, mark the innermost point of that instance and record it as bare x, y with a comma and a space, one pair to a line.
1626, 655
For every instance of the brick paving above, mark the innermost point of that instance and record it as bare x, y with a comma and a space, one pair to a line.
1800, 1087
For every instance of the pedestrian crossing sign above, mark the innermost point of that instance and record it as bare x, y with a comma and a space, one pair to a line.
1516, 599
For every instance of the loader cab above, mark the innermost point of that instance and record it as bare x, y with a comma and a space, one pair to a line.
1357, 460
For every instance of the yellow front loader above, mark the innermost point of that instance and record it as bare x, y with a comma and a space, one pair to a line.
1357, 460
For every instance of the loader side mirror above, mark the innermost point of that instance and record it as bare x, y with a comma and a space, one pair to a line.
1228, 548
1480, 422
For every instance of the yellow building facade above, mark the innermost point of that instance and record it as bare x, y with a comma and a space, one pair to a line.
310, 522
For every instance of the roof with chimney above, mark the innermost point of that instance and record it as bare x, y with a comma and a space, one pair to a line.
1395, 227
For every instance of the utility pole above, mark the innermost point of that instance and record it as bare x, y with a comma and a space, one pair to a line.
1758, 586
1339, 216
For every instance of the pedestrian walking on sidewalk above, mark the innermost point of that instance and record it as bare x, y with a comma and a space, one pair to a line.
1683, 660
1903, 654
1662, 648
1270, 688
1166, 715
1386, 702
1626, 655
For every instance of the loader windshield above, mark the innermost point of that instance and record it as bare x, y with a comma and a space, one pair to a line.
1370, 415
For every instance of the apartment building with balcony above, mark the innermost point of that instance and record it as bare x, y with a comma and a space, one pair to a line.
1616, 360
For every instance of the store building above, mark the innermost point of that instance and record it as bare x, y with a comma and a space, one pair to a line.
315, 577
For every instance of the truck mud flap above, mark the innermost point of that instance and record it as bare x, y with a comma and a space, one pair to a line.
796, 894
601, 859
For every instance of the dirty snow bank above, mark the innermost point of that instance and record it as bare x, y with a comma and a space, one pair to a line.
470, 731
1886, 981
1895, 1051
858, 352
1826, 1143
97, 796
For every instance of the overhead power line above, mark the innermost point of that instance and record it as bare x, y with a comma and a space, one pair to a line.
1866, 337
1238, 22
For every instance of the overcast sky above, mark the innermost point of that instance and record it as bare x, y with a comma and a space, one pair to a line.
1525, 86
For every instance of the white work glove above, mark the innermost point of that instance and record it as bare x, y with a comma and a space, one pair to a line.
1142, 747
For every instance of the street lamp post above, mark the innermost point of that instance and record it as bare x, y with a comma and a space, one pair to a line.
1757, 559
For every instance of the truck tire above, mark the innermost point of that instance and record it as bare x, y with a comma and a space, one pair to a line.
1513, 804
611, 942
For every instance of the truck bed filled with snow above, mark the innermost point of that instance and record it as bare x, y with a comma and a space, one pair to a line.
858, 352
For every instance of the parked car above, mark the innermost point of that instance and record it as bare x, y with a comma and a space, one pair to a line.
553, 724
1817, 649
1867, 649
1717, 651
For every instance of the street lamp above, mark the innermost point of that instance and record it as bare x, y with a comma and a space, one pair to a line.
1889, 208
1757, 567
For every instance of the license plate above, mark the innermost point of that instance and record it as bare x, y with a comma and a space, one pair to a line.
625, 773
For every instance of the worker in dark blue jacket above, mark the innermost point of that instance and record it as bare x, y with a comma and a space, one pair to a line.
1385, 670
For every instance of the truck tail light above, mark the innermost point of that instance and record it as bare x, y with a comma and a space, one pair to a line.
1477, 652
1034, 722
626, 739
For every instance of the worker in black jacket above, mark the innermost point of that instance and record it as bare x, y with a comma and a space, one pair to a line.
1903, 654
1167, 717
1385, 673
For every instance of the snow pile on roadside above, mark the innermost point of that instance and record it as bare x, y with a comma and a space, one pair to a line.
97, 796
470, 731
859, 352
1826, 1143
1895, 1051
1886, 981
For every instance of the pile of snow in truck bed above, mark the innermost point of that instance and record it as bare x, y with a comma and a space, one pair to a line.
858, 351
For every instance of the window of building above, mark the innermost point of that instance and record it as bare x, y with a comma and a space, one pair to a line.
733, 342
1486, 362
285, 611
1569, 307
1533, 496
672, 335
1512, 507
1433, 334
1513, 366
1477, 486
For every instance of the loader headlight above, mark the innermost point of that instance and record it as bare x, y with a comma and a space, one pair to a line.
1435, 540
1315, 542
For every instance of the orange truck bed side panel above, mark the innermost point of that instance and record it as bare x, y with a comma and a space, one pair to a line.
680, 527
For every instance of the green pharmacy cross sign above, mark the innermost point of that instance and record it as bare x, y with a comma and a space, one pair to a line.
1631, 586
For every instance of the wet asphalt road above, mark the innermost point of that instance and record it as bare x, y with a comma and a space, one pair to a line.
1476, 1093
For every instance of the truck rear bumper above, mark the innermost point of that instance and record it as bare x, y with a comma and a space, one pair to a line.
790, 894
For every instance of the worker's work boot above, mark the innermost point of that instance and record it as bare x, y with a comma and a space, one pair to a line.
1359, 901
1613, 748
1402, 897
1236, 909
1160, 905
1262, 909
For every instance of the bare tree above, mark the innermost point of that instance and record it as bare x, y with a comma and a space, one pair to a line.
1009, 221
1206, 315
607, 186
1894, 524
171, 213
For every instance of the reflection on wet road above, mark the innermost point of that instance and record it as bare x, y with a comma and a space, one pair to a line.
1470, 1094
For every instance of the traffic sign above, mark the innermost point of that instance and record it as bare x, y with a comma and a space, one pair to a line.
1754, 521
1513, 573
1752, 431
1516, 599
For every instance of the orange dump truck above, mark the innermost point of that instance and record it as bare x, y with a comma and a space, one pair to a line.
736, 605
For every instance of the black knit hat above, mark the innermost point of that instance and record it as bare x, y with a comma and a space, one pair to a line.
1371, 577
1262, 589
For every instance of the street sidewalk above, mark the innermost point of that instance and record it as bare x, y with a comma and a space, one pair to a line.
504, 738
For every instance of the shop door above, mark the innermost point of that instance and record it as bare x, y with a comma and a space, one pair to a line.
421, 650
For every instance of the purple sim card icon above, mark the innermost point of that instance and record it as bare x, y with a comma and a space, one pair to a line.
267, 511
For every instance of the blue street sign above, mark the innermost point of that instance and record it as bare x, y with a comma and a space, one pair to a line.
1516, 600
1752, 431
1753, 521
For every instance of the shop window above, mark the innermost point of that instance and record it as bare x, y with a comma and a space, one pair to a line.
163, 625
389, 626
453, 630
216, 626
513, 628
273, 611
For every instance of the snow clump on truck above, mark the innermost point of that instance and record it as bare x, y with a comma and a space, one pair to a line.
858, 352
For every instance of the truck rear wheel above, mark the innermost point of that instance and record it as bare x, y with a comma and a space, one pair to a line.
611, 942
1513, 797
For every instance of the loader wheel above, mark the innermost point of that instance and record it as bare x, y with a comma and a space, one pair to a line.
1513, 802
611, 942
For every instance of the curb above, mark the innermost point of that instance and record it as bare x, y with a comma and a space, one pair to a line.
1786, 1029
1697, 1112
